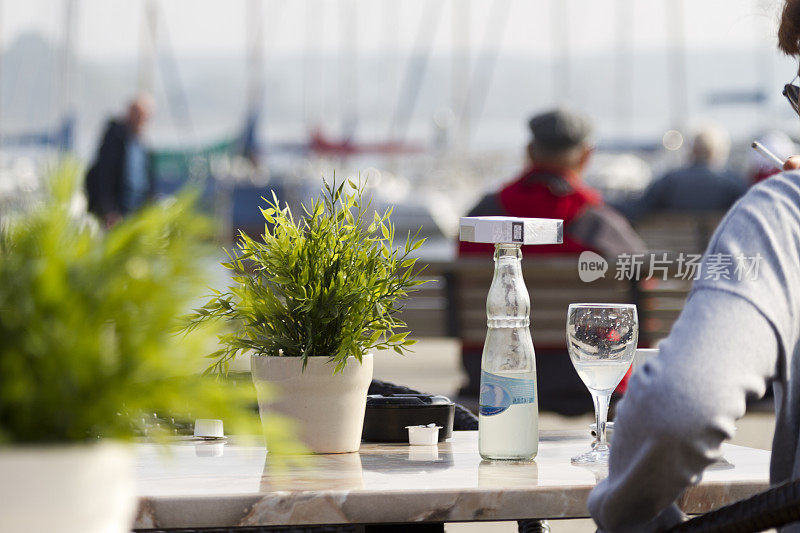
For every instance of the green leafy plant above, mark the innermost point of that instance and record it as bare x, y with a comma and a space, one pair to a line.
87, 320
328, 284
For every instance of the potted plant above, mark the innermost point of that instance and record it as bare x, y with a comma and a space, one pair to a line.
309, 302
86, 355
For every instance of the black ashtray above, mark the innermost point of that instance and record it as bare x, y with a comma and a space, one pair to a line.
386, 417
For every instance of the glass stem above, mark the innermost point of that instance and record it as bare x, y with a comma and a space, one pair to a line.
601, 416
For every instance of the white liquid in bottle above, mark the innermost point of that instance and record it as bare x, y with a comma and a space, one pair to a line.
514, 433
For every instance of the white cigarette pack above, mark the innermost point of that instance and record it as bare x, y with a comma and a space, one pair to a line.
512, 230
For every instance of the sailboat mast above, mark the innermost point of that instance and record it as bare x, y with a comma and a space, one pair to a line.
313, 103
623, 80
676, 58
419, 57
2, 73
147, 44
390, 32
461, 18
561, 64
486, 60
254, 31
765, 71
66, 107
348, 77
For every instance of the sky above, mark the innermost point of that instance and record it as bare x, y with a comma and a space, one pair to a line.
108, 33
110, 29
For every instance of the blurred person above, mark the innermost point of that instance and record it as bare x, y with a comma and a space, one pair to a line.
120, 180
776, 142
702, 185
552, 187
734, 337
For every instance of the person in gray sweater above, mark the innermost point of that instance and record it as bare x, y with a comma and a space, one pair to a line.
738, 332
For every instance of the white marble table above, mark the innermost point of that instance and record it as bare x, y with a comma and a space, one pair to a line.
194, 484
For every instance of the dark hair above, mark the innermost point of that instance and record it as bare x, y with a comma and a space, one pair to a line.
789, 29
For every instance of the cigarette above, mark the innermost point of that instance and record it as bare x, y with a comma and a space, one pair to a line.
772, 158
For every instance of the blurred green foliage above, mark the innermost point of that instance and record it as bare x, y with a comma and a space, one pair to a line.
327, 284
88, 318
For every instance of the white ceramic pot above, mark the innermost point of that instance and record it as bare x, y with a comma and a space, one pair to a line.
70, 489
328, 409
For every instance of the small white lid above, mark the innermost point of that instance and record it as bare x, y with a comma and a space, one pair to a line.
208, 428
423, 435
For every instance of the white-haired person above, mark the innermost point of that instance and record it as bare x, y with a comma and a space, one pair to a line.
702, 185
734, 338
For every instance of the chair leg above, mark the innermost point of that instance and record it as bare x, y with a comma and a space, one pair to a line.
533, 526
403, 528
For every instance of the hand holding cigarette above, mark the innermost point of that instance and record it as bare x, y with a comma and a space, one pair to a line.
769, 156
793, 163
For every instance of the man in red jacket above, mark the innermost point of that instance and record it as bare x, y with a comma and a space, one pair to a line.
552, 187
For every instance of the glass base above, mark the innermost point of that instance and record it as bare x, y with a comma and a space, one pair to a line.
509, 458
592, 457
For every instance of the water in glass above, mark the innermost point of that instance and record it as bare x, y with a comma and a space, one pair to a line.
601, 340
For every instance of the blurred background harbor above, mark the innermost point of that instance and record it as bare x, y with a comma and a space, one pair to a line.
428, 100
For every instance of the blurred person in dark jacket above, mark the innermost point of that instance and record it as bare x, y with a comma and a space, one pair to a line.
121, 180
552, 187
702, 185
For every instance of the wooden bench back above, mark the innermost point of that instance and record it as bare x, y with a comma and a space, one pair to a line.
660, 303
678, 232
552, 285
454, 303
427, 310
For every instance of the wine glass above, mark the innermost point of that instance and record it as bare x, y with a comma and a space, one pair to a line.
601, 340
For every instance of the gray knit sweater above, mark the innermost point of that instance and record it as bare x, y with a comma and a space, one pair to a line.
733, 336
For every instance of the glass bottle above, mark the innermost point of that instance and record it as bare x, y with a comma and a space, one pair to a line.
508, 414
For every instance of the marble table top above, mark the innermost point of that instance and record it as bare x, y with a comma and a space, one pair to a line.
187, 483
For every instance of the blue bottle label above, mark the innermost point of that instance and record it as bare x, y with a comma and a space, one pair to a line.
498, 393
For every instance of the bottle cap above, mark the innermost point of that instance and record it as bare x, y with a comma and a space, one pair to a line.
512, 230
